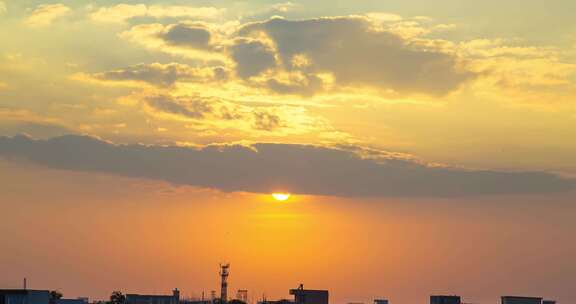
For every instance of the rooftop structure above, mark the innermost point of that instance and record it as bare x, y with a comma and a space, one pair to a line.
154, 299
521, 300
196, 301
309, 296
71, 301
445, 300
282, 301
24, 296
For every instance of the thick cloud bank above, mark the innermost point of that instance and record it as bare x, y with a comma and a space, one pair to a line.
355, 53
268, 167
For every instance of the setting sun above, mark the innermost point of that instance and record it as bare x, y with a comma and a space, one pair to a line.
281, 196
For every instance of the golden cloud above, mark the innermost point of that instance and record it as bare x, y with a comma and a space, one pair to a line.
223, 114
124, 12
192, 40
45, 14
351, 51
523, 74
14, 121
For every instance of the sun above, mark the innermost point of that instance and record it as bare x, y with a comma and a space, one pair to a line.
281, 196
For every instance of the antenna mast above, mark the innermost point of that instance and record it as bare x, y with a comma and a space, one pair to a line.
224, 283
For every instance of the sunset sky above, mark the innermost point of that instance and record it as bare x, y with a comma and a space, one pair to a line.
429, 147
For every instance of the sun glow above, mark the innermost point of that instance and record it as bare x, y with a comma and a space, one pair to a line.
281, 196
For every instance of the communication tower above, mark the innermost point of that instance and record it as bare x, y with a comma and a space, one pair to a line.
224, 283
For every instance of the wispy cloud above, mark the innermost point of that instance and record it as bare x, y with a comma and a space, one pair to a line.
20, 121
124, 12
155, 74
3, 8
45, 14
219, 114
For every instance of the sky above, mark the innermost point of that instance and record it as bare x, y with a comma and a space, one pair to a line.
427, 146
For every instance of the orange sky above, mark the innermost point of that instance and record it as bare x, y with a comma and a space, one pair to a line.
88, 234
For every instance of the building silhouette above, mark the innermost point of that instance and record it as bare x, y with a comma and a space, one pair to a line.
309, 296
281, 301
525, 300
301, 296
445, 300
154, 299
71, 301
24, 296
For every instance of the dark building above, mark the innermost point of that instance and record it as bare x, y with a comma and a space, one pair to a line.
196, 301
24, 296
380, 301
309, 296
72, 301
282, 301
548, 302
445, 300
154, 299
521, 300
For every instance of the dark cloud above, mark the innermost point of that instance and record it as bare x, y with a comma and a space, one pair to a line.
252, 57
220, 73
267, 167
309, 86
187, 35
159, 74
191, 108
266, 121
213, 109
358, 54
153, 73
230, 112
